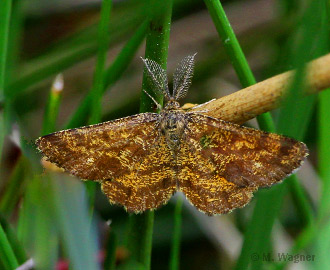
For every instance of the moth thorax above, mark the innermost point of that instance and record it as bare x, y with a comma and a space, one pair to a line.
172, 127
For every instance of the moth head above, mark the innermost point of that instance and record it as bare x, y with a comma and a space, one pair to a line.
172, 105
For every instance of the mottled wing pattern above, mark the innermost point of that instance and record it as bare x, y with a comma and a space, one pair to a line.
149, 184
100, 151
204, 187
221, 164
124, 155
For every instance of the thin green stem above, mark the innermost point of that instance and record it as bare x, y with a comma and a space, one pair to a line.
156, 47
141, 226
176, 238
5, 12
236, 54
230, 42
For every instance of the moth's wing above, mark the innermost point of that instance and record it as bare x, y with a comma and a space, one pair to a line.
148, 183
100, 151
126, 155
204, 187
221, 163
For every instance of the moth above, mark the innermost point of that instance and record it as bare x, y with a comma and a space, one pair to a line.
141, 160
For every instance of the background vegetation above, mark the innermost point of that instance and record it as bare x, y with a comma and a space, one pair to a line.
53, 221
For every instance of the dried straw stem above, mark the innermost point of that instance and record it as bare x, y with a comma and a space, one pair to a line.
266, 95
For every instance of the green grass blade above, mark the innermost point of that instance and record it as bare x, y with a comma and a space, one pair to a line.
49, 65
24, 226
324, 146
7, 255
46, 235
125, 56
103, 44
10, 250
53, 105
14, 187
33, 229
257, 235
323, 238
110, 259
5, 12
74, 222
2, 131
13, 240
112, 74
14, 43
39, 233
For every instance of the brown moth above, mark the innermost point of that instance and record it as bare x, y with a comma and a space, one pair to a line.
141, 160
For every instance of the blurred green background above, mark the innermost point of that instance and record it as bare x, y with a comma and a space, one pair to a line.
50, 220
